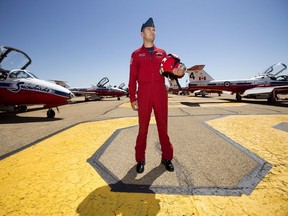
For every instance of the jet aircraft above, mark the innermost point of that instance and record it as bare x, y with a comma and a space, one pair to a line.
96, 92
175, 88
266, 85
20, 88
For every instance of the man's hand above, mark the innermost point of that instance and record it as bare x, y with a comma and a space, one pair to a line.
134, 105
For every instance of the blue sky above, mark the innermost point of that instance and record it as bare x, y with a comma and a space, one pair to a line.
83, 41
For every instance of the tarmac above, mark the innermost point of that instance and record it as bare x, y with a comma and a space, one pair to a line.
230, 158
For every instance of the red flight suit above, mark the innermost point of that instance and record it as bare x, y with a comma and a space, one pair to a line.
152, 93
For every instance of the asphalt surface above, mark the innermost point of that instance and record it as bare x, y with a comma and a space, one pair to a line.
230, 158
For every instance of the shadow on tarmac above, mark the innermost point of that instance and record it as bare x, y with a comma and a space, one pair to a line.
13, 119
120, 198
259, 102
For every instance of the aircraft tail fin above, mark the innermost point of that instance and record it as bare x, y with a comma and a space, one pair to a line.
198, 75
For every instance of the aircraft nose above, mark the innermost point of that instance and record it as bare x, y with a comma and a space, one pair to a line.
71, 95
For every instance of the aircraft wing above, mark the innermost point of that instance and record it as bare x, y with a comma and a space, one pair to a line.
82, 92
78, 91
267, 90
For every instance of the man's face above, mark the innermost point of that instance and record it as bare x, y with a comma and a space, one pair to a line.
149, 33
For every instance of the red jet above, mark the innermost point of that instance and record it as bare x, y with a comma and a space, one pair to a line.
20, 88
96, 92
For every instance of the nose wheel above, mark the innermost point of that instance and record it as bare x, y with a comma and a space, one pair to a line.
238, 97
273, 98
50, 113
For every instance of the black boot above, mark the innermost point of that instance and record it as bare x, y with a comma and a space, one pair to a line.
140, 167
168, 165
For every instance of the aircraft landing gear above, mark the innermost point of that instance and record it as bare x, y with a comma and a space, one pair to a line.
50, 113
21, 108
273, 98
238, 97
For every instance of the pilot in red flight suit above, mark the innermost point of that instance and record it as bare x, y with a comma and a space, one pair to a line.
151, 93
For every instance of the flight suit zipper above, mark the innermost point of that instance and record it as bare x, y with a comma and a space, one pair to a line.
151, 62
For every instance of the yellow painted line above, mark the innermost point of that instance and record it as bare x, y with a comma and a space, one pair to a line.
125, 105
53, 177
224, 104
177, 106
257, 134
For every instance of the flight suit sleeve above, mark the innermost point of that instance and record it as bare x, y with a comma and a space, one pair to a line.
133, 78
